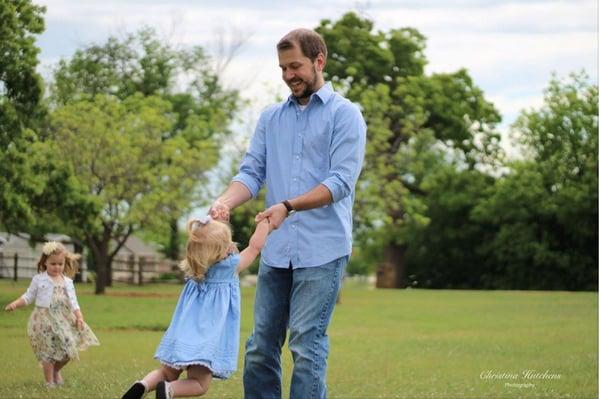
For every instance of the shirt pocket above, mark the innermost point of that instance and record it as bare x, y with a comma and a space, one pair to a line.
317, 144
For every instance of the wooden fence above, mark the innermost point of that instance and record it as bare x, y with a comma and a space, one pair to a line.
132, 269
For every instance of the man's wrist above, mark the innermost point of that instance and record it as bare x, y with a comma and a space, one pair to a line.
290, 209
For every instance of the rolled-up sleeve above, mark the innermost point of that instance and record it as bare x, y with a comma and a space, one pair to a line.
30, 294
253, 166
347, 151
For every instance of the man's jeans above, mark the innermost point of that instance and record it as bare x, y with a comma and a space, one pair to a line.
302, 299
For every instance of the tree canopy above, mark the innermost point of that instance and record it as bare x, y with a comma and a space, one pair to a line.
141, 124
544, 212
35, 186
417, 123
20, 96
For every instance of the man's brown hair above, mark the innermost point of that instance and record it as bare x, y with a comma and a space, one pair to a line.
309, 41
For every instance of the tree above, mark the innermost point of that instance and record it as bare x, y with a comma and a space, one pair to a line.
545, 211
444, 253
417, 123
37, 190
119, 154
20, 94
200, 109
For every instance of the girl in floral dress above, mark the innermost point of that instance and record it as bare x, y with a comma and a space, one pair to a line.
56, 328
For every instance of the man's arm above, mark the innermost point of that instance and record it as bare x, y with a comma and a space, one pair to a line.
315, 198
250, 178
235, 195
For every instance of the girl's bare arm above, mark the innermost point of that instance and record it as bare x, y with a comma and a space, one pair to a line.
257, 241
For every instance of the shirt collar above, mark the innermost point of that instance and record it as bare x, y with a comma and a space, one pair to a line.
324, 94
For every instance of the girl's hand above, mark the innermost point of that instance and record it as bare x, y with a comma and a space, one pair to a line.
79, 323
10, 307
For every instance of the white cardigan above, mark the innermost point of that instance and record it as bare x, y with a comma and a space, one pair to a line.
41, 288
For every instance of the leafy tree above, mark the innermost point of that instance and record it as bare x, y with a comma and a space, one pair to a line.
444, 253
200, 108
545, 211
417, 123
119, 154
20, 94
37, 190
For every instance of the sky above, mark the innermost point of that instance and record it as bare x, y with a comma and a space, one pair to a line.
510, 48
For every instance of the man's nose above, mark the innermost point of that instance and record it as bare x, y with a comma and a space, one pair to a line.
287, 75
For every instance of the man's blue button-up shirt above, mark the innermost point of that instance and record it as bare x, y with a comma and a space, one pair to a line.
295, 150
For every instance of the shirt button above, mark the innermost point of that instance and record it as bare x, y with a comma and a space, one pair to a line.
294, 179
297, 156
293, 226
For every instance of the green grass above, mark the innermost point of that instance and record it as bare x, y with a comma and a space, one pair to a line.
384, 344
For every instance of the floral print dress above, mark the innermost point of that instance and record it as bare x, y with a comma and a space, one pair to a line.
53, 333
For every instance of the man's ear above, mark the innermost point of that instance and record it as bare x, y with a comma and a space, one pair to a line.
320, 62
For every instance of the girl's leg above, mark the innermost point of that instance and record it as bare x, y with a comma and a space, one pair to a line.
58, 380
149, 382
48, 372
164, 373
196, 384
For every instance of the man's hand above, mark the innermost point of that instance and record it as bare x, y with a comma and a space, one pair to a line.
219, 211
276, 215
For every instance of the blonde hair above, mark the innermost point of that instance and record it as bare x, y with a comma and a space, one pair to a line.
55, 248
208, 242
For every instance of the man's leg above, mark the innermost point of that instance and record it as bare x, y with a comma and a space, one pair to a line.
314, 291
262, 363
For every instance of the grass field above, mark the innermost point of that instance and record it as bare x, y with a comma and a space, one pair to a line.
384, 344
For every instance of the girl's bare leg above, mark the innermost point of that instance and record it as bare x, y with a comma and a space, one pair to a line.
164, 373
48, 372
196, 384
58, 380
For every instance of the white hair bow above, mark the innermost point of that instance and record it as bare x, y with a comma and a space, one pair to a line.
203, 220
50, 247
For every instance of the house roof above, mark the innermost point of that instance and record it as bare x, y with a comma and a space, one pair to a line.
13, 243
134, 245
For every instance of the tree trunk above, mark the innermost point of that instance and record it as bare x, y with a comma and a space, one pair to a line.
103, 257
78, 250
392, 271
99, 250
172, 251
109, 273
101, 272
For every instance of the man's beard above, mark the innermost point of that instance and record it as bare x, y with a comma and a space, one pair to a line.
309, 86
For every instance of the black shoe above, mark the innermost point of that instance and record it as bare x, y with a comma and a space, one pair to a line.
163, 391
136, 391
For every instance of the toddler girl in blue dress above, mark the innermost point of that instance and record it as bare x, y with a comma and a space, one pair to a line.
204, 334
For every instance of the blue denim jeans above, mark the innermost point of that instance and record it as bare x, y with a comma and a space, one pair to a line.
301, 300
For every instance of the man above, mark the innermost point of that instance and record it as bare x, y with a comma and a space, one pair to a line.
309, 151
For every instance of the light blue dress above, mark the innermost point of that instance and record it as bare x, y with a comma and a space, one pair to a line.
205, 328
